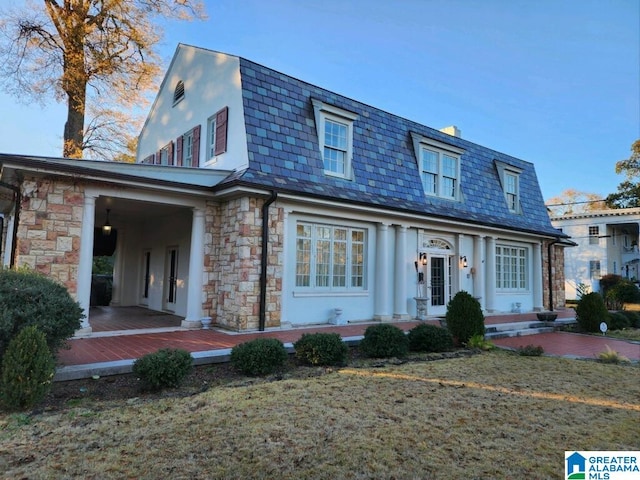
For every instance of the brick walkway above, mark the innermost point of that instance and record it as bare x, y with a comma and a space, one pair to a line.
573, 344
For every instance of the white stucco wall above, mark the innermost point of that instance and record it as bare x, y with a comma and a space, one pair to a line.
212, 82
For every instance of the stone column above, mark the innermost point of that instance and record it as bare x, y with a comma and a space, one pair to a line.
491, 275
86, 261
479, 270
382, 301
400, 284
196, 265
537, 278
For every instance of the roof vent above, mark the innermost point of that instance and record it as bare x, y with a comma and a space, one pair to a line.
452, 130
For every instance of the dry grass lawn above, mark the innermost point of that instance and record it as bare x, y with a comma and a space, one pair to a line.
490, 416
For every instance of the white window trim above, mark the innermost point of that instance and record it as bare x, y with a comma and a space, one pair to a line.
503, 170
527, 268
187, 161
324, 111
211, 138
421, 142
348, 290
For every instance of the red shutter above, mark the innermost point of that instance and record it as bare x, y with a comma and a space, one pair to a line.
170, 153
221, 131
195, 149
179, 151
158, 157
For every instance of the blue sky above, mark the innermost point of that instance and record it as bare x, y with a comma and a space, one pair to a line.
554, 82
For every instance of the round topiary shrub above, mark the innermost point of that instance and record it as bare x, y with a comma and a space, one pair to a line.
166, 368
384, 341
464, 317
429, 338
321, 349
27, 370
261, 356
590, 312
29, 298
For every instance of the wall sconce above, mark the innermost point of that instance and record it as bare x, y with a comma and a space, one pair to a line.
423, 259
106, 228
463, 261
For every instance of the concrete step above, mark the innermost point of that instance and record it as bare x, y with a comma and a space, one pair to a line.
519, 329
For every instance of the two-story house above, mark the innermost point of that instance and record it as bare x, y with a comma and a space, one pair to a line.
607, 243
261, 200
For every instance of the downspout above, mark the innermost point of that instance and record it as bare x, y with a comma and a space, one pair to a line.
16, 217
551, 244
264, 260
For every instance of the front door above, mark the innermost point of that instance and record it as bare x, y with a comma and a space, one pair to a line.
438, 281
171, 279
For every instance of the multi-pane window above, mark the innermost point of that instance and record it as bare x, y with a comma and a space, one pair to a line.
594, 268
211, 138
335, 147
187, 149
330, 257
335, 137
594, 235
511, 190
511, 268
439, 173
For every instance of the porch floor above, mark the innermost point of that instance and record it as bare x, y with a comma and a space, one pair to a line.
115, 349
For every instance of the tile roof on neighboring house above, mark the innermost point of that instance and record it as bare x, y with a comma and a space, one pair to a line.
284, 154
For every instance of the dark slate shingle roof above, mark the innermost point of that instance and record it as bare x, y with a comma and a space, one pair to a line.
284, 154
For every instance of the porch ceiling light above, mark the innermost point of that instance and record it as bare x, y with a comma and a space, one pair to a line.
106, 228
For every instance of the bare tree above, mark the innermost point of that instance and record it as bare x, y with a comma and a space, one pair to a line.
98, 56
572, 201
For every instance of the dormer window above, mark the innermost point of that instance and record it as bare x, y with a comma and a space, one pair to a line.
439, 166
178, 93
335, 137
510, 179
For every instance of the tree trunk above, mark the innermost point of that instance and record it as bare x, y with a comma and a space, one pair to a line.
74, 126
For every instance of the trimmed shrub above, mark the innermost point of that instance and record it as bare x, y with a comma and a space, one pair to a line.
464, 317
429, 338
384, 341
27, 370
590, 312
633, 317
166, 368
321, 349
530, 350
261, 356
29, 298
618, 321
617, 291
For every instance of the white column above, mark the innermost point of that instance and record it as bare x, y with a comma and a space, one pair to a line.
118, 269
86, 261
491, 274
382, 301
479, 270
537, 278
400, 287
193, 319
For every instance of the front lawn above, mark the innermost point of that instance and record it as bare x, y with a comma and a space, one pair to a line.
493, 415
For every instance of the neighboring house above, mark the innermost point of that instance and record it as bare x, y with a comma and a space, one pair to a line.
607, 243
263, 201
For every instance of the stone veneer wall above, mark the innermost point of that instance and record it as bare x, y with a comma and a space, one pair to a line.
557, 272
48, 237
233, 263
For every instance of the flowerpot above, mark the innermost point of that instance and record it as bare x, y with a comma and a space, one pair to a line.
547, 316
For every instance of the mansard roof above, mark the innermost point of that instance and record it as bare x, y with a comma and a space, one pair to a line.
284, 154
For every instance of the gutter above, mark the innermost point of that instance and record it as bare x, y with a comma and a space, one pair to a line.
551, 244
264, 260
17, 196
